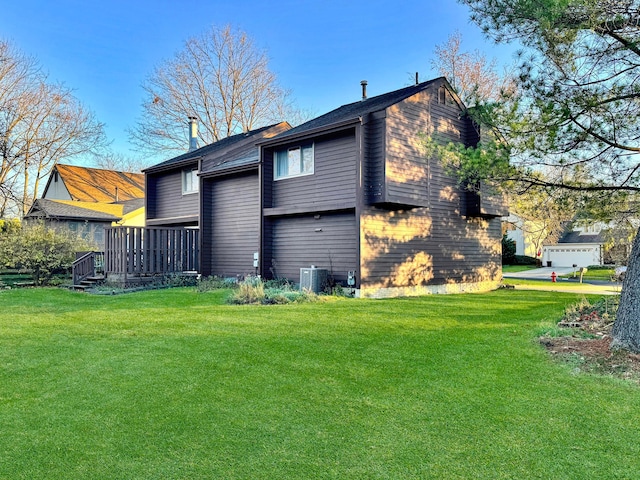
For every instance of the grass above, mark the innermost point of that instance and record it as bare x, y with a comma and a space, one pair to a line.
174, 384
561, 285
602, 274
517, 268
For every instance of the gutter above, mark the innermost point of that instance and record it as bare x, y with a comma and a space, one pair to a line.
171, 166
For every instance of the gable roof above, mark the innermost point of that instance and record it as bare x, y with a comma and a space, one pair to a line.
69, 210
578, 237
242, 154
216, 148
358, 109
98, 185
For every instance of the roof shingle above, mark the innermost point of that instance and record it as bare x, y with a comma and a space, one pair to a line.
60, 209
98, 185
224, 144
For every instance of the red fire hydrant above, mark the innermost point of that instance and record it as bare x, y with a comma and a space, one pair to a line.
553, 277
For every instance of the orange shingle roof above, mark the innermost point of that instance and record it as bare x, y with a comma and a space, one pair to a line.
98, 185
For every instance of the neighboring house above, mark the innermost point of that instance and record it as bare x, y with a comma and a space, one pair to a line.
580, 246
526, 234
82, 184
85, 200
351, 192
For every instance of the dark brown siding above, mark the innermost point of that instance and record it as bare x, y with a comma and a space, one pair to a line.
267, 178
407, 169
333, 180
422, 236
487, 202
416, 247
329, 241
166, 201
230, 225
373, 169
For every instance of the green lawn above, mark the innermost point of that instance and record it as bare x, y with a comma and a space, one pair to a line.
173, 384
517, 268
604, 274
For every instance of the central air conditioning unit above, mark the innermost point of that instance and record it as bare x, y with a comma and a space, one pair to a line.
313, 279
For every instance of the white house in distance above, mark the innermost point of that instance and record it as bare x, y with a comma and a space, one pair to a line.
524, 234
583, 246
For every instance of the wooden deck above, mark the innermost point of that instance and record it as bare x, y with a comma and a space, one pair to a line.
140, 254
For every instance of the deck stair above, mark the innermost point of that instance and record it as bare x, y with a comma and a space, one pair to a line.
87, 270
88, 283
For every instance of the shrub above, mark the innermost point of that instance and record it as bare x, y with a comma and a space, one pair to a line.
9, 233
604, 309
508, 250
524, 260
278, 283
208, 284
251, 290
40, 250
177, 280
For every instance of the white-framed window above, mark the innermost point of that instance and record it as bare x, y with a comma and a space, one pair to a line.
293, 162
190, 181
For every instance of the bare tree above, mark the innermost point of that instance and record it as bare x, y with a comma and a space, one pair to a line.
222, 79
543, 216
41, 123
117, 161
17, 74
471, 74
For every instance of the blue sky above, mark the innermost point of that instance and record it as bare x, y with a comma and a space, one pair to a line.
320, 50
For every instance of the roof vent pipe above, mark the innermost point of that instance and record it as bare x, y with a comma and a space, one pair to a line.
364, 89
193, 133
417, 81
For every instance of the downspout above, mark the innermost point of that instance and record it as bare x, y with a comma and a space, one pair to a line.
360, 200
261, 224
200, 207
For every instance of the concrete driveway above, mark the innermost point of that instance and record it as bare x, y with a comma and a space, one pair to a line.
543, 273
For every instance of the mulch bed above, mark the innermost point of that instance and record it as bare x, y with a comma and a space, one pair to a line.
587, 347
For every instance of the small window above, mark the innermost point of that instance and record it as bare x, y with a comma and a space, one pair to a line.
293, 162
190, 181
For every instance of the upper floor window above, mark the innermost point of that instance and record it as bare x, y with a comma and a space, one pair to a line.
293, 162
190, 181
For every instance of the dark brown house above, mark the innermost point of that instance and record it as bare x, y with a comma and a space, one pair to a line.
366, 199
352, 191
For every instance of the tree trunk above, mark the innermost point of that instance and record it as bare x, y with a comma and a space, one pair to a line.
626, 330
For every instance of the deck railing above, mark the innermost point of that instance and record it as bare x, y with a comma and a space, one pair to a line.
151, 251
87, 264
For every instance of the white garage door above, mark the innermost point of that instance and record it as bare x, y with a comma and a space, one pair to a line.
569, 255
